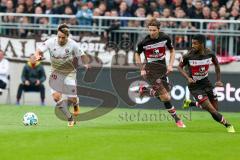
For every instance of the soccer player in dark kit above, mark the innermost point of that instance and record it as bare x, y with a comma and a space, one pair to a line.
197, 61
155, 69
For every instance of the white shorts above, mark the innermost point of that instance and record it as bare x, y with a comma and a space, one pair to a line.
63, 84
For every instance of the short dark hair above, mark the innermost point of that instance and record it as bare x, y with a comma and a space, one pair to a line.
200, 38
64, 29
153, 22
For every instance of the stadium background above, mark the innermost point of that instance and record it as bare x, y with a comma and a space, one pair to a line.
109, 31
112, 39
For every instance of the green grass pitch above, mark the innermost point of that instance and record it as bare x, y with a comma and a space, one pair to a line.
116, 136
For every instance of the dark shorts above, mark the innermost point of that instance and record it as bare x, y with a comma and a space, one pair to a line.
2, 84
203, 90
156, 72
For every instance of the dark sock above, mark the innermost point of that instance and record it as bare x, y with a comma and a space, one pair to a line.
195, 104
219, 118
172, 110
192, 104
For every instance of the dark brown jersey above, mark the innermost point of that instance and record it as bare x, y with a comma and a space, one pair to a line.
198, 64
155, 49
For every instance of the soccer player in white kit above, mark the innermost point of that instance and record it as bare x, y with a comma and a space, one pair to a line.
62, 51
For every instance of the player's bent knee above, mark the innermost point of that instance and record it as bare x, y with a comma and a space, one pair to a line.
165, 97
57, 97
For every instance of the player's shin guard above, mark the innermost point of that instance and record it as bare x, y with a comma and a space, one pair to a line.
172, 110
219, 118
63, 106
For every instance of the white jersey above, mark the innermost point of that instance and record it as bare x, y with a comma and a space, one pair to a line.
61, 56
4, 70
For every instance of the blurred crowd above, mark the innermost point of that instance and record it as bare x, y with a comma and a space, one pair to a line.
85, 9
82, 12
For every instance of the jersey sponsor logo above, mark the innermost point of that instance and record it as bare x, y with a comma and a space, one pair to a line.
155, 45
155, 54
155, 59
197, 78
207, 61
199, 72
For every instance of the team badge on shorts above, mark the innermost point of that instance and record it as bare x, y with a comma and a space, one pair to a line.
200, 97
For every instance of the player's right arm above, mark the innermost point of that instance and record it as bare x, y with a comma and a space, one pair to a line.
138, 60
182, 71
41, 49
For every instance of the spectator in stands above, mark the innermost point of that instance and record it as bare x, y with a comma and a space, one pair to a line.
38, 10
206, 12
9, 9
114, 24
30, 6
61, 9
183, 41
42, 21
84, 15
156, 14
9, 6
48, 7
4, 71
215, 5
152, 7
138, 4
198, 11
23, 33
58, 3
180, 13
70, 21
234, 14
21, 2
103, 8
2, 6
161, 5
190, 9
20, 8
33, 75
230, 4
223, 13
167, 14
140, 12
123, 12
96, 12
178, 4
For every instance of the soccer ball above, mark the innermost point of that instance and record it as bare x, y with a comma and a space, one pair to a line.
30, 119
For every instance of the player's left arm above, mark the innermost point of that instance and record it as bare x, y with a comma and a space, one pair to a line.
80, 57
86, 60
172, 55
217, 71
171, 61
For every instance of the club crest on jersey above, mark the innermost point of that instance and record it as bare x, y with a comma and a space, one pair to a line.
200, 97
202, 69
67, 50
156, 51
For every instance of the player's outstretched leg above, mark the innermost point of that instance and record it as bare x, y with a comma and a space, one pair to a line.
217, 116
63, 107
73, 101
171, 109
